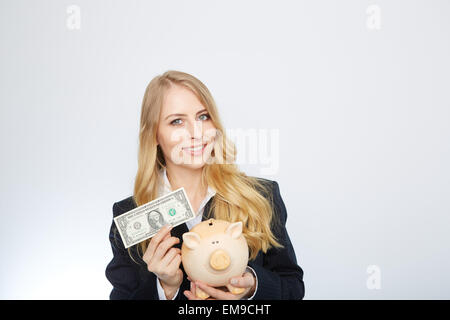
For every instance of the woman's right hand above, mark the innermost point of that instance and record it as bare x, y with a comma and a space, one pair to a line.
163, 260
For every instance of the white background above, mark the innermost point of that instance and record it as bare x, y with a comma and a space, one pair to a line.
362, 113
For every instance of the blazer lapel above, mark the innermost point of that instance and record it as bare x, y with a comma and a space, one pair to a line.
178, 232
206, 209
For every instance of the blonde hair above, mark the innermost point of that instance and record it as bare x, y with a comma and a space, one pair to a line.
238, 197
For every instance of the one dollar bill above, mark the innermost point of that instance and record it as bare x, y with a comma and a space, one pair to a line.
145, 221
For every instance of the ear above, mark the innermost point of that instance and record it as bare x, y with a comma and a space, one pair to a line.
191, 239
234, 229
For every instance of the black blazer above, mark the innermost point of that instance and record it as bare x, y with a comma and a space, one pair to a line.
279, 275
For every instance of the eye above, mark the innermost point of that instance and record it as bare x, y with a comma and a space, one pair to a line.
205, 115
174, 122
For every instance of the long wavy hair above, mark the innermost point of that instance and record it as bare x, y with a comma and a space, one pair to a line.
238, 197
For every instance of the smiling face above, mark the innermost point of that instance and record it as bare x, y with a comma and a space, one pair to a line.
186, 133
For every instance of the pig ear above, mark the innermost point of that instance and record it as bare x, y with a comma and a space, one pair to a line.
234, 229
191, 239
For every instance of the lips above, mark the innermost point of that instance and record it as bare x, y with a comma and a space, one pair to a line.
195, 148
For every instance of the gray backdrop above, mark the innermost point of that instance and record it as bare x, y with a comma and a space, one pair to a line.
348, 102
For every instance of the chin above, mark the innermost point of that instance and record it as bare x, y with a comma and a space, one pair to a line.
193, 166
194, 163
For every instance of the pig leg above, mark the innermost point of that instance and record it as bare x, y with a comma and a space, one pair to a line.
235, 290
200, 293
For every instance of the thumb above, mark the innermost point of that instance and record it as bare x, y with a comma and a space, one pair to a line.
245, 281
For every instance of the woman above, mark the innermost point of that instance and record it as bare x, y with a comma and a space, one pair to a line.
182, 143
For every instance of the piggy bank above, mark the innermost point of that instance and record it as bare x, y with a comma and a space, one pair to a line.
213, 252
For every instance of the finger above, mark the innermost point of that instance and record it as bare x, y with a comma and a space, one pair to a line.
246, 281
166, 236
213, 292
190, 295
174, 265
154, 242
164, 246
169, 256
176, 261
194, 291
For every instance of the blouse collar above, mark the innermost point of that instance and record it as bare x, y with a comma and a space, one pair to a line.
166, 188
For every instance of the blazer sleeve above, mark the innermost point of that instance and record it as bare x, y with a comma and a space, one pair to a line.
279, 277
130, 280
124, 274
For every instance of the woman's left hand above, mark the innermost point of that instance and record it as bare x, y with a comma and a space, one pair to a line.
247, 281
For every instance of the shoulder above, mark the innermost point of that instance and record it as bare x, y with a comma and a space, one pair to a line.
272, 193
123, 206
270, 186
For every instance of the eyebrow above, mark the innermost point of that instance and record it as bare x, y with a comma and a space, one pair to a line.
182, 114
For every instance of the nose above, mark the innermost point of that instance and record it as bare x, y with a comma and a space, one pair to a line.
220, 260
195, 130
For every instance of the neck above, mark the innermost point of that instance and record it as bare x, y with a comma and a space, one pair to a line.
190, 179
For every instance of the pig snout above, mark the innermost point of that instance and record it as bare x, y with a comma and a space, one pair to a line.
219, 260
